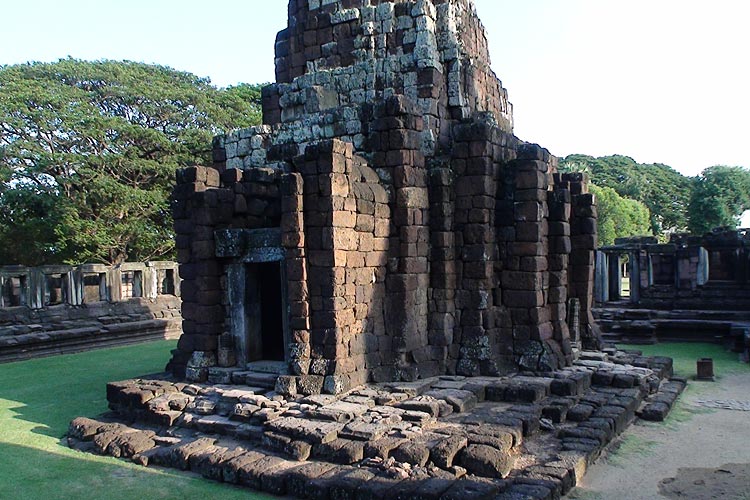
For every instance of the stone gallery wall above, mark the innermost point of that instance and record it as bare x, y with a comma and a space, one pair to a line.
418, 235
689, 272
55, 309
693, 288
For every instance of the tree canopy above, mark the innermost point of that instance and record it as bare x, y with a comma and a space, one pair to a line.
720, 195
88, 152
661, 188
619, 216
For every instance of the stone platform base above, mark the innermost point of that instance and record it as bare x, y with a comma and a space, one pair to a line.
68, 341
530, 435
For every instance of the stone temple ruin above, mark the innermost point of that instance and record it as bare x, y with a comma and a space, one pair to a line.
691, 288
384, 223
385, 293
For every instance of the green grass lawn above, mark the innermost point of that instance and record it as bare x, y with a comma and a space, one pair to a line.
38, 398
685, 355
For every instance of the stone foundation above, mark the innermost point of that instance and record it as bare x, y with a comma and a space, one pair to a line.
530, 435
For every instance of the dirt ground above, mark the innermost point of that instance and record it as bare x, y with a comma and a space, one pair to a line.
698, 453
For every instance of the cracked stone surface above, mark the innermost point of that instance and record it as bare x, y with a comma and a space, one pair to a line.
528, 437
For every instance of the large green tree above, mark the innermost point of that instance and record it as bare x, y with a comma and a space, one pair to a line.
88, 152
619, 216
661, 188
720, 195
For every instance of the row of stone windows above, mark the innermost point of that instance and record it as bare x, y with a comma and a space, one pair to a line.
34, 288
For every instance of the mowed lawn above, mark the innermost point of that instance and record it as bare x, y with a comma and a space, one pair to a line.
38, 398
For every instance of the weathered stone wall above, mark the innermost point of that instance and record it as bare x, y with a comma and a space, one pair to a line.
54, 309
419, 236
206, 201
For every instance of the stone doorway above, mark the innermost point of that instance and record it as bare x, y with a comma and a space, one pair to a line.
258, 294
265, 328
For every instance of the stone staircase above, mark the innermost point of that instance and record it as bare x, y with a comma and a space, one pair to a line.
648, 326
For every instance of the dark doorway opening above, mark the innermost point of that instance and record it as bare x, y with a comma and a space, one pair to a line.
264, 308
663, 269
271, 324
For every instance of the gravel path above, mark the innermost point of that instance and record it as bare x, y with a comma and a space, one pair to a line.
698, 453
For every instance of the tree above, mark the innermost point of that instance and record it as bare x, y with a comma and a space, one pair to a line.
720, 195
618, 216
661, 188
88, 152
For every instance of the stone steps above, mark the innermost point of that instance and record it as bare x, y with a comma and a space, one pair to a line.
445, 434
266, 458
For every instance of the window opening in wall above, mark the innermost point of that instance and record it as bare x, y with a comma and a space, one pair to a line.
722, 265
94, 287
662, 269
166, 282
625, 276
54, 289
132, 284
14, 291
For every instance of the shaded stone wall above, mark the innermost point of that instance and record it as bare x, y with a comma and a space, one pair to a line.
419, 236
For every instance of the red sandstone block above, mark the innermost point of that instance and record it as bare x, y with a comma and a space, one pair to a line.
480, 148
532, 232
560, 245
342, 218
480, 166
213, 178
409, 176
523, 298
477, 233
539, 195
192, 174
581, 274
518, 280
558, 262
542, 331
582, 258
584, 241
479, 215
376, 259
540, 315
382, 231
203, 250
531, 179
584, 225
559, 228
355, 259
475, 184
365, 223
231, 176
529, 211
526, 248
295, 269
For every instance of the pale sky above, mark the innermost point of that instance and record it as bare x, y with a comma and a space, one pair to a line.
658, 80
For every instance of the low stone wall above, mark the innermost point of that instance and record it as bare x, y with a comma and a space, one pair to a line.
58, 309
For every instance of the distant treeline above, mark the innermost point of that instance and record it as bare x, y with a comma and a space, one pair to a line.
641, 199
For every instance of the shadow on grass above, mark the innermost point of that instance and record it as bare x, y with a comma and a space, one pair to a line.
50, 392
39, 398
30, 473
